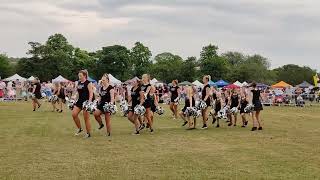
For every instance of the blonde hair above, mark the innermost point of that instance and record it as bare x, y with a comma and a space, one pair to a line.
175, 81
106, 76
85, 73
208, 77
146, 75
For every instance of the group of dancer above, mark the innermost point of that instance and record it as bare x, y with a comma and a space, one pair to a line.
235, 101
143, 95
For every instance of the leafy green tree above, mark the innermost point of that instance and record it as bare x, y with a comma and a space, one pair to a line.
140, 58
27, 67
114, 60
212, 64
167, 67
53, 58
234, 58
188, 71
5, 66
83, 60
294, 74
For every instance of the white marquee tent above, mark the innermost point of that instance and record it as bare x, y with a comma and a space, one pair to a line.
114, 80
237, 83
197, 83
60, 79
31, 78
15, 77
154, 81
245, 84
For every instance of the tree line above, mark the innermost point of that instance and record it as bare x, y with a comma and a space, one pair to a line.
58, 57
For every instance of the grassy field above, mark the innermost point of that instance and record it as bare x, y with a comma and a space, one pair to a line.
41, 145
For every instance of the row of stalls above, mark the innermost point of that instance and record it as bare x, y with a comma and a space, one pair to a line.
59, 79
154, 81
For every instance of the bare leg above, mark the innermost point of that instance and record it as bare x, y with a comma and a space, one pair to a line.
181, 114
235, 119
75, 113
54, 106
136, 122
204, 116
258, 118
33, 104
175, 107
97, 116
148, 117
171, 108
108, 122
131, 117
253, 119
86, 117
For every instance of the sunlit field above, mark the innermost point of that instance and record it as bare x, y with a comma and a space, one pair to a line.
41, 145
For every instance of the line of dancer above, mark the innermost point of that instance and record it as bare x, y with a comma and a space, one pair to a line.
141, 102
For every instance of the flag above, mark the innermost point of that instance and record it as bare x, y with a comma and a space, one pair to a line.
316, 80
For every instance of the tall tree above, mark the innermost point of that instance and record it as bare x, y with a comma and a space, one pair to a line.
83, 60
188, 69
5, 67
140, 58
212, 64
114, 60
167, 67
53, 58
234, 58
294, 74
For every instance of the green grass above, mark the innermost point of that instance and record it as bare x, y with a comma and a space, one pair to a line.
41, 145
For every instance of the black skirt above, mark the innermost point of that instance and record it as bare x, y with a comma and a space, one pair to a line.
100, 106
258, 106
38, 95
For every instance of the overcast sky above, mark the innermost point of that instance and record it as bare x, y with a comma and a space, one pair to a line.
284, 31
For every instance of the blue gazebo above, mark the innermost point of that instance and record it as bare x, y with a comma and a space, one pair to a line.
92, 80
222, 83
211, 83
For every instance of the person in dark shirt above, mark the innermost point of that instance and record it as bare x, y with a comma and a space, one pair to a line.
243, 104
145, 87
106, 94
135, 98
189, 103
36, 91
60, 93
85, 93
234, 103
256, 101
205, 96
174, 98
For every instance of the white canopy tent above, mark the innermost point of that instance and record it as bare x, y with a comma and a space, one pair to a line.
60, 79
15, 77
31, 78
153, 81
197, 83
237, 83
245, 84
113, 80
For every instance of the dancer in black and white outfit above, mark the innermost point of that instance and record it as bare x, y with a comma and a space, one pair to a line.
106, 94
243, 104
36, 91
145, 87
234, 103
256, 101
174, 98
205, 96
85, 93
189, 103
135, 98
